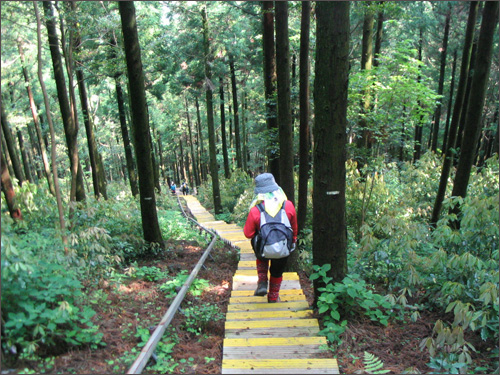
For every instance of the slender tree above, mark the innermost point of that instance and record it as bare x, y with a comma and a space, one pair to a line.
365, 139
378, 34
237, 138
457, 111
191, 143
11, 146
450, 101
227, 173
444, 50
270, 87
140, 122
24, 156
284, 105
34, 113
304, 139
8, 191
329, 174
62, 225
129, 158
214, 168
478, 92
99, 184
70, 129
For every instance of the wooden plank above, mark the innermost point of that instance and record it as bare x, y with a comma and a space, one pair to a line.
276, 341
251, 284
275, 352
293, 306
257, 299
276, 332
245, 273
259, 315
294, 323
306, 364
249, 293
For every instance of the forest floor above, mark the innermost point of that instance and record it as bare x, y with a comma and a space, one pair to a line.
129, 310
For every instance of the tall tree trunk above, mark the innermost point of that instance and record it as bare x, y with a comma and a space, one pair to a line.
214, 169
11, 146
227, 173
463, 114
202, 158
70, 128
417, 148
270, 88
329, 176
444, 50
304, 72
365, 140
8, 191
378, 34
24, 157
191, 142
62, 225
457, 109
244, 133
41, 144
98, 185
237, 140
129, 158
6, 154
140, 123
284, 107
476, 102
450, 102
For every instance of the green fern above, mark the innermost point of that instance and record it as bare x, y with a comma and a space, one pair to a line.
373, 364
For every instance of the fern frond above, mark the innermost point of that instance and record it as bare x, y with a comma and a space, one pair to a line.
373, 364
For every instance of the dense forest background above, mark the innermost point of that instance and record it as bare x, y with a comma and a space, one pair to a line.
378, 119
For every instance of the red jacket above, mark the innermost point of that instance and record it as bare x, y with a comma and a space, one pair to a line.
252, 224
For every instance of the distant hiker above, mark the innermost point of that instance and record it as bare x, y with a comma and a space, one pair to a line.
173, 187
272, 226
184, 188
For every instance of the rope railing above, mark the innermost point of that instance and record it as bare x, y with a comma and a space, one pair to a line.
148, 349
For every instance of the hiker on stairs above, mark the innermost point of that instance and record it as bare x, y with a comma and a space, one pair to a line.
272, 226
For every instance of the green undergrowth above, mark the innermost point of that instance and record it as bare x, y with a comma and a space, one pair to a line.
45, 306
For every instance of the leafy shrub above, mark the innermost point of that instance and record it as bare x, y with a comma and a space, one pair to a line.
199, 317
42, 304
349, 298
171, 287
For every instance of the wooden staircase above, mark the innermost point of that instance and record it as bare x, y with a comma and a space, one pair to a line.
261, 337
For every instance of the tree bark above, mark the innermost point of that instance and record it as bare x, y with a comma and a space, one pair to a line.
444, 50
8, 191
237, 138
70, 128
270, 88
214, 169
191, 142
202, 157
24, 157
140, 123
62, 225
450, 101
365, 140
457, 109
227, 173
304, 139
417, 148
34, 113
476, 102
378, 34
330, 102
284, 106
11, 146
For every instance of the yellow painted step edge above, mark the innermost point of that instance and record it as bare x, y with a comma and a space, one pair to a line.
279, 363
276, 341
238, 324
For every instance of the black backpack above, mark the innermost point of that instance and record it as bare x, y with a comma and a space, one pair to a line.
274, 240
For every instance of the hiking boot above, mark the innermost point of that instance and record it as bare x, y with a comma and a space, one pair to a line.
261, 289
